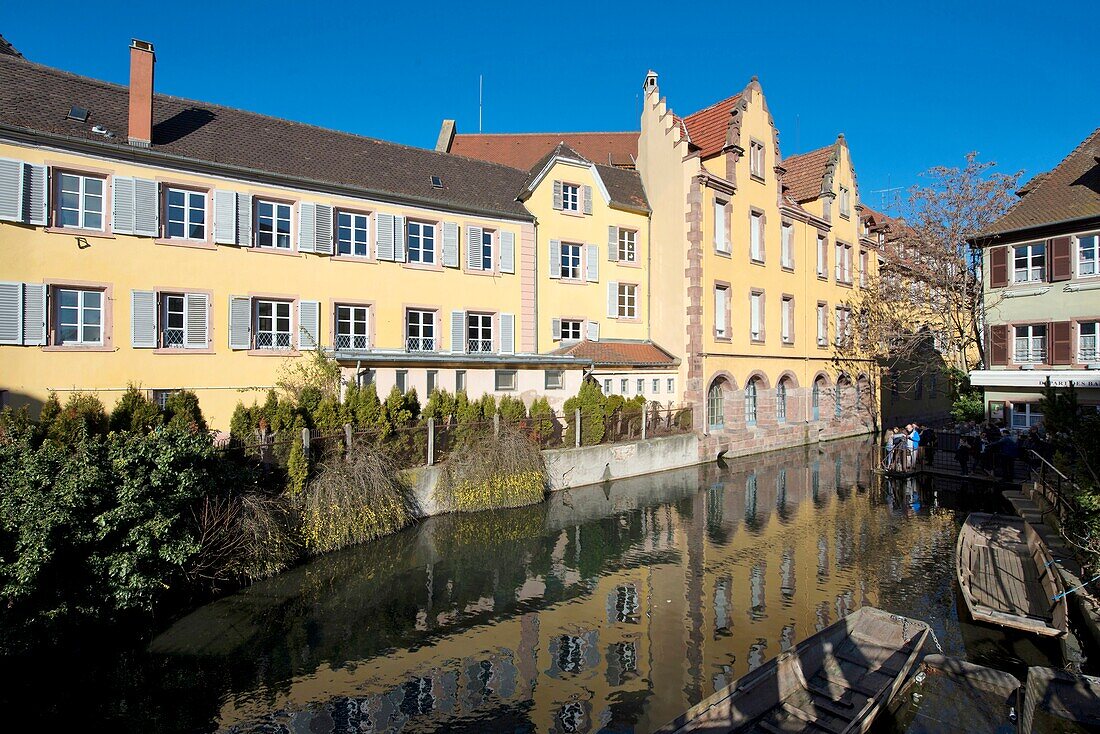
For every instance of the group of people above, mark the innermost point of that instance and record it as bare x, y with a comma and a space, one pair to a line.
909, 446
992, 449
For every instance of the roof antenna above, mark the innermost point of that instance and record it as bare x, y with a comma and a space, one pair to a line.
480, 77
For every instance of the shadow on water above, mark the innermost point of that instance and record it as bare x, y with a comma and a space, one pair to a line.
611, 608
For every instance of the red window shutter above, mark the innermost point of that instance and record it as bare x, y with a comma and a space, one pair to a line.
1061, 263
1061, 342
998, 267
998, 344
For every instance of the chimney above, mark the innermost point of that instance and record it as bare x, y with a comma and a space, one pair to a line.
140, 128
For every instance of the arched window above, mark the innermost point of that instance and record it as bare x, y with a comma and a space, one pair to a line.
716, 420
750, 403
816, 400
837, 406
781, 402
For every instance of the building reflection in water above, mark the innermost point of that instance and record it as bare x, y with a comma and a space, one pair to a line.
628, 596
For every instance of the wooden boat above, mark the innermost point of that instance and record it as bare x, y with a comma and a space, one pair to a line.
835, 681
1007, 575
1053, 697
952, 695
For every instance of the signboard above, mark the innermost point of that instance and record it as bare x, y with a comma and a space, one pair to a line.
996, 410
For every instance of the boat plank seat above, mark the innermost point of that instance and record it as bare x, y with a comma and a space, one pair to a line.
1005, 582
820, 719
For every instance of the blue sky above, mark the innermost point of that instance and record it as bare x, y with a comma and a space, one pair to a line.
911, 86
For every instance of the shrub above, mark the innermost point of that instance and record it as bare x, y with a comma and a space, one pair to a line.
181, 410
592, 403
135, 412
487, 472
441, 406
268, 411
542, 416
968, 406
368, 409
83, 415
245, 421
297, 463
308, 378
242, 537
512, 410
327, 416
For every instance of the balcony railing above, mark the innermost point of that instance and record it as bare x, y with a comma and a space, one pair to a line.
420, 344
351, 341
479, 346
1035, 355
172, 339
1087, 354
273, 340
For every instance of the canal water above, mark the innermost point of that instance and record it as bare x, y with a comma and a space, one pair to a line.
606, 609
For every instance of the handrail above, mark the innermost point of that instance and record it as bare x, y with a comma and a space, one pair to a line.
1056, 469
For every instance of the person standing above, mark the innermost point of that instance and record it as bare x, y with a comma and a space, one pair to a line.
930, 441
914, 446
962, 455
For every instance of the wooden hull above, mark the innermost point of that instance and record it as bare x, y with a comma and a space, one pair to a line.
835, 681
1007, 576
954, 695
1056, 695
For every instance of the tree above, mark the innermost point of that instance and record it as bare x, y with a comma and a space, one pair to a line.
922, 313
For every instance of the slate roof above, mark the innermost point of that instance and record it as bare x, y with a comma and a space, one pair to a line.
523, 150
612, 353
36, 98
805, 173
1070, 191
623, 186
6, 49
707, 127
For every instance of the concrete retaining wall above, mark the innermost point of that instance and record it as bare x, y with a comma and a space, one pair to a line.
594, 464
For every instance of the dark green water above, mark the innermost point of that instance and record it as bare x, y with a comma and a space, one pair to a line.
606, 609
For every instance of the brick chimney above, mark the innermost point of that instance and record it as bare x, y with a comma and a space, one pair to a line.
140, 128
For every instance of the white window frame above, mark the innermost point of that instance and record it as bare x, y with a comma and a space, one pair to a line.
84, 198
624, 386
627, 301
756, 316
721, 311
185, 213
756, 158
822, 256
505, 380
607, 386
655, 388
571, 261
479, 332
1029, 254
670, 385
570, 197
1087, 343
349, 316
81, 316
864, 263
554, 379
1088, 268
788, 319
751, 402
487, 259
786, 255
275, 218
721, 227
756, 236
1030, 414
274, 337
628, 245
358, 234
845, 202
173, 337
420, 336
1029, 343
572, 329
420, 242
716, 419
639, 386
822, 324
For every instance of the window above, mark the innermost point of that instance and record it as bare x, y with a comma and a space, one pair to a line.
272, 224
788, 320
555, 379
786, 256
670, 387
845, 202
607, 386
160, 397
838, 406
815, 401
186, 212
79, 317
571, 329
822, 325
432, 382
421, 241
1030, 263
352, 234
570, 197
401, 379
721, 309
479, 332
822, 256
628, 251
843, 263
715, 405
756, 236
863, 264
781, 402
460, 381
419, 330
1086, 254
655, 387
756, 159
351, 327
1026, 415
842, 321
81, 204
570, 261
1030, 344
1086, 341
756, 316
272, 325
750, 403
721, 226
505, 380
172, 319
628, 301
623, 386
639, 385
486, 249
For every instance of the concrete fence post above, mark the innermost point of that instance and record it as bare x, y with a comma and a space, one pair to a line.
577, 424
347, 438
645, 421
431, 441
305, 441
496, 424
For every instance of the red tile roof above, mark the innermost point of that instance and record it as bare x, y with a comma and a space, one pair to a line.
805, 173
620, 353
523, 150
707, 127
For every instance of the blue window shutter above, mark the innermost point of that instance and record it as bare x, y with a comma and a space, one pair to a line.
225, 217
122, 209
450, 244
34, 314
592, 263
244, 221
555, 258
399, 239
458, 332
307, 233
240, 322
196, 324
507, 252
384, 236
507, 333
35, 194
11, 313
146, 207
473, 248
143, 319
309, 324
324, 245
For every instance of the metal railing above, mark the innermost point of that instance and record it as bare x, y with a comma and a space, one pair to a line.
477, 346
420, 344
172, 338
272, 340
351, 341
